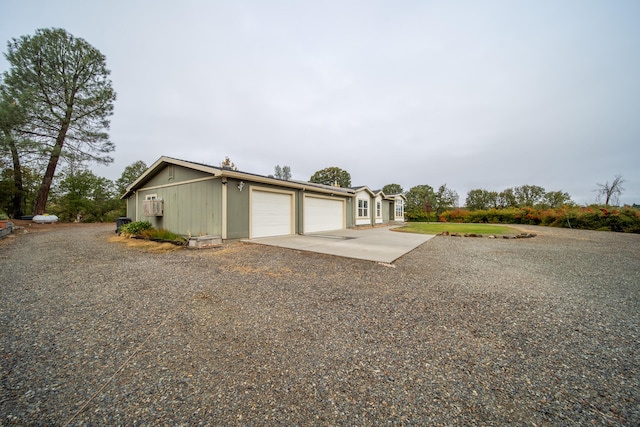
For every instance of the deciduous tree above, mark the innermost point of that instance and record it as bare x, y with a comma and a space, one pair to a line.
130, 174
481, 199
507, 198
445, 198
392, 189
332, 176
420, 201
283, 172
70, 99
82, 196
528, 195
556, 199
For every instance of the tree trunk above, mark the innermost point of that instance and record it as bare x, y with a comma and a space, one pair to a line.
47, 180
18, 195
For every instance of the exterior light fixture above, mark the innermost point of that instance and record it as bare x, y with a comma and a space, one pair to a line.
240, 185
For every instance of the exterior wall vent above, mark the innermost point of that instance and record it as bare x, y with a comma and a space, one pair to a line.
153, 207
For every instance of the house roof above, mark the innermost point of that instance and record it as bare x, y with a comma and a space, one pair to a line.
378, 192
393, 196
230, 173
364, 188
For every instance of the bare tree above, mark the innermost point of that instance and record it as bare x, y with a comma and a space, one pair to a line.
611, 192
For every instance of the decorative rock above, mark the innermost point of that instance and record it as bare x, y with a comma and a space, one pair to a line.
525, 235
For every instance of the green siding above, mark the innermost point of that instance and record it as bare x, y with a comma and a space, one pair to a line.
351, 213
192, 202
180, 174
300, 211
131, 207
237, 210
387, 206
190, 208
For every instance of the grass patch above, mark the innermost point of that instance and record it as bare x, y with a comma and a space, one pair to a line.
440, 227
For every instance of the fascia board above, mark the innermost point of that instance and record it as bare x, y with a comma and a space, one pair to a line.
164, 160
298, 185
229, 173
365, 188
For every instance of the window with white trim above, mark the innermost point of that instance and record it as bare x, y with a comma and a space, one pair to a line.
378, 209
399, 208
363, 208
151, 197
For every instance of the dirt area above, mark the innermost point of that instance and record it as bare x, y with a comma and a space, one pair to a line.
33, 227
541, 331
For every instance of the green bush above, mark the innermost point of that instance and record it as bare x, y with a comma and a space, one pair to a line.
594, 217
163, 235
135, 228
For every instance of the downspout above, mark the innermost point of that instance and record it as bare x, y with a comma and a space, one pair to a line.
224, 209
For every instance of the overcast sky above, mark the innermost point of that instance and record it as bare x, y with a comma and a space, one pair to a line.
474, 94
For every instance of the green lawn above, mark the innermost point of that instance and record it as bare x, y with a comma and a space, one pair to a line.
439, 227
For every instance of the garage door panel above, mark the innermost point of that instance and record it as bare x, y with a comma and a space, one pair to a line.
271, 214
321, 214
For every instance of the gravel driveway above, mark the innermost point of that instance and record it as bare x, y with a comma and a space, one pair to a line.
541, 331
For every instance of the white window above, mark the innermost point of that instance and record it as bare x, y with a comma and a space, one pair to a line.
363, 208
378, 209
399, 208
151, 197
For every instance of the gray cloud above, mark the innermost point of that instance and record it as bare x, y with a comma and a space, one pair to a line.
473, 94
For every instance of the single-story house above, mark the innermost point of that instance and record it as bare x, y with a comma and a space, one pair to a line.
373, 207
196, 199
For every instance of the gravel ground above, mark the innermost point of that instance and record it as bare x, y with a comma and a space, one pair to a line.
541, 331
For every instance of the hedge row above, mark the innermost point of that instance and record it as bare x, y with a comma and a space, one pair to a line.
624, 219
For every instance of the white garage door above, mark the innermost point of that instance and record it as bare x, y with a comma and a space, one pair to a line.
271, 214
323, 214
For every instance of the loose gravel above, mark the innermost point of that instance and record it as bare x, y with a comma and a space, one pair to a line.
541, 331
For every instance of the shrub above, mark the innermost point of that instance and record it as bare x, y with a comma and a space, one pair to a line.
163, 235
625, 219
135, 227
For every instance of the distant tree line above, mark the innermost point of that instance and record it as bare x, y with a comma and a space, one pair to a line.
525, 195
77, 194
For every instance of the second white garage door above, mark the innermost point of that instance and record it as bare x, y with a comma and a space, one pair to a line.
322, 214
271, 214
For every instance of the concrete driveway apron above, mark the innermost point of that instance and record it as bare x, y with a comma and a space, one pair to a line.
374, 244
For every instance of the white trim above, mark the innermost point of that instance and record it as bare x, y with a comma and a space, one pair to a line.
315, 196
247, 177
292, 210
175, 184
